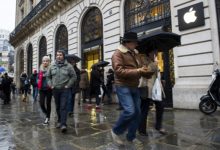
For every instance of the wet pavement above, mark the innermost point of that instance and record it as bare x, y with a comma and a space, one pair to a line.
21, 128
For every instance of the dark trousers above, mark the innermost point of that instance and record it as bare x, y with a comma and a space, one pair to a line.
95, 91
107, 91
71, 102
145, 103
45, 102
61, 100
84, 94
24, 90
7, 96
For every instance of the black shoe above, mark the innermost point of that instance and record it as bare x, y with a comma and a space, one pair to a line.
120, 108
143, 134
63, 129
70, 114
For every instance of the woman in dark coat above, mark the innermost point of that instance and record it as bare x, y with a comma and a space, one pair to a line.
95, 83
84, 83
75, 88
44, 89
6, 86
24, 85
109, 87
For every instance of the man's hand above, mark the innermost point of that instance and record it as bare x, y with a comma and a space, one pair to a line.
144, 71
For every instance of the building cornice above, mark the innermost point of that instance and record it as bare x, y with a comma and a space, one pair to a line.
41, 12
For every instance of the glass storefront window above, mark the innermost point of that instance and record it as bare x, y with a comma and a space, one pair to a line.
92, 26
142, 12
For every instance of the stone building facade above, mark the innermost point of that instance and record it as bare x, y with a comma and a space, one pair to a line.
92, 29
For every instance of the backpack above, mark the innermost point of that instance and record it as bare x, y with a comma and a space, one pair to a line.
26, 82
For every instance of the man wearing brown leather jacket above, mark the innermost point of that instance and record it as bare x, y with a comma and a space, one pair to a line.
128, 70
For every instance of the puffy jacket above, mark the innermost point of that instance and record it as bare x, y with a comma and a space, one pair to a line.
61, 75
125, 64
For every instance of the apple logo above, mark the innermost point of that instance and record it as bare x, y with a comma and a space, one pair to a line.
190, 17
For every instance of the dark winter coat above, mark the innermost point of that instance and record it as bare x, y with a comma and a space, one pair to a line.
76, 88
110, 80
84, 80
34, 80
24, 81
95, 82
6, 84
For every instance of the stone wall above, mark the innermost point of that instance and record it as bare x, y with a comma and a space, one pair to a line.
194, 59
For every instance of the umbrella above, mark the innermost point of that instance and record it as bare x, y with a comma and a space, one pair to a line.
2, 69
101, 64
74, 57
158, 40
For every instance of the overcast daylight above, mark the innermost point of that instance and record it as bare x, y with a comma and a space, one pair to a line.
7, 14
110, 75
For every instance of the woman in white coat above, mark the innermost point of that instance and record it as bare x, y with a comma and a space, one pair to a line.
146, 96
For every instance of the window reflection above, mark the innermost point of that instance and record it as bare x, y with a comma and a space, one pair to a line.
142, 12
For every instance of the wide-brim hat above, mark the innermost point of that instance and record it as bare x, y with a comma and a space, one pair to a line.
130, 37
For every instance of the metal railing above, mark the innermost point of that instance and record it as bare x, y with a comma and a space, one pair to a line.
140, 13
36, 10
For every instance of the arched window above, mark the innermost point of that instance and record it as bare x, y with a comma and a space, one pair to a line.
62, 39
141, 15
91, 38
42, 49
29, 59
21, 63
92, 26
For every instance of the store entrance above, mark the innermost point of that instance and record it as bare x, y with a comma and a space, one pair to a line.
90, 58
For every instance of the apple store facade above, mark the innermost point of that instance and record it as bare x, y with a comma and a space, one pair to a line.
91, 29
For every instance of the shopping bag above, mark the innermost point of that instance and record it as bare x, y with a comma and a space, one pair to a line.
157, 89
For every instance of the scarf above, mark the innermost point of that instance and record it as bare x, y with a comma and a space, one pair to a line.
42, 73
60, 63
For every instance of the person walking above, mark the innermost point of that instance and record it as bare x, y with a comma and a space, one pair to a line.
6, 86
61, 77
33, 81
146, 97
95, 83
128, 70
109, 85
24, 86
75, 88
45, 90
84, 84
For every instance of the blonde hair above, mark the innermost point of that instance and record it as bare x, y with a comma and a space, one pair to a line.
46, 58
42, 66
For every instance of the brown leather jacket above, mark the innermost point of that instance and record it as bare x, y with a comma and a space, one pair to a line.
125, 66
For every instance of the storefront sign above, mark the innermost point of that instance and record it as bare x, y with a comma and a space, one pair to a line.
191, 17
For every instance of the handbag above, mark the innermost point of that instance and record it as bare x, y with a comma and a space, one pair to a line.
157, 89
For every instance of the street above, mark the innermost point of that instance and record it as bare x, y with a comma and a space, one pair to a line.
22, 129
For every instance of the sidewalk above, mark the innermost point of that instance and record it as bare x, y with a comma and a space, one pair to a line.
21, 129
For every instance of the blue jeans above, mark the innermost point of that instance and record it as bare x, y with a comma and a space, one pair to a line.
129, 119
71, 102
35, 93
61, 100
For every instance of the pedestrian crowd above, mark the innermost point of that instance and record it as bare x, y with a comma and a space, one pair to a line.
134, 77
